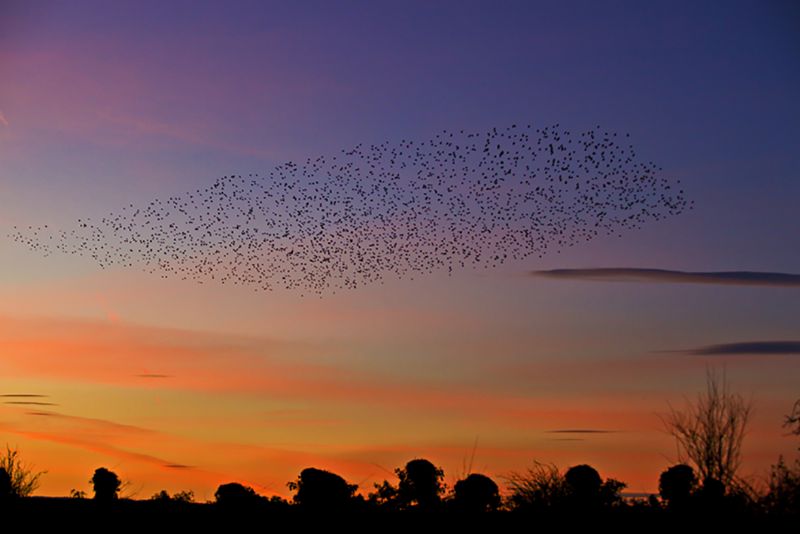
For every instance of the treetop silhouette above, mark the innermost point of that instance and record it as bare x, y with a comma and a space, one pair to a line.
476, 493
677, 484
106, 485
317, 488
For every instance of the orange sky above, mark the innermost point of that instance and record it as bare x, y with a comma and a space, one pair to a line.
176, 409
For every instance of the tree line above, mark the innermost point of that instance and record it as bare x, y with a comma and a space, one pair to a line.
707, 482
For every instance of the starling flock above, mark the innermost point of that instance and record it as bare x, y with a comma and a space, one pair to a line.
459, 199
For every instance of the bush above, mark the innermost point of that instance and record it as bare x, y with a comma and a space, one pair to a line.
106, 485
24, 480
235, 495
476, 493
783, 495
539, 488
317, 488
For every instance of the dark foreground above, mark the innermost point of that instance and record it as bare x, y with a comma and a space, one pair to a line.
53, 514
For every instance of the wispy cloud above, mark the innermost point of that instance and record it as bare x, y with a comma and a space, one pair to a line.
582, 431
747, 347
634, 274
98, 424
121, 354
3, 120
23, 396
296, 417
94, 446
31, 403
153, 375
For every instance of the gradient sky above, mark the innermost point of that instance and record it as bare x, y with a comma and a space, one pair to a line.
181, 386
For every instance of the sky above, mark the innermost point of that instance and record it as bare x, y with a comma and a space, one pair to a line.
176, 385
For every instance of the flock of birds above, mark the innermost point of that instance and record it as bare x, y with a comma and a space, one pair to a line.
460, 199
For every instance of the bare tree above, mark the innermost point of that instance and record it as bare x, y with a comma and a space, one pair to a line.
24, 480
793, 419
709, 432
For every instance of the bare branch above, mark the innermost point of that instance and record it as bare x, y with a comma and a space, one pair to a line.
710, 431
24, 480
793, 419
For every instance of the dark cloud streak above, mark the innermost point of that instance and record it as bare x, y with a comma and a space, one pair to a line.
747, 347
581, 431
31, 403
634, 274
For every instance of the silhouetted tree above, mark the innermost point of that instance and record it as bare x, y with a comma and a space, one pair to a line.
584, 484
783, 495
235, 495
709, 433
676, 485
611, 492
543, 489
181, 496
586, 488
420, 484
476, 493
384, 496
106, 485
317, 488
711, 494
24, 480
162, 495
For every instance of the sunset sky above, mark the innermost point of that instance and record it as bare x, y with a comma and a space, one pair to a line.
176, 385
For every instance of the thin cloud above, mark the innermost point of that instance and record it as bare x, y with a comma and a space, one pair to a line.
581, 431
3, 120
23, 396
747, 347
179, 466
99, 424
31, 403
153, 375
100, 448
633, 274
